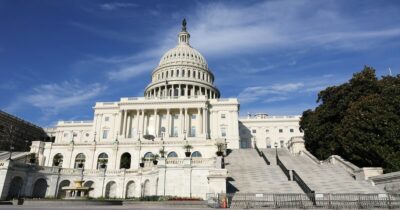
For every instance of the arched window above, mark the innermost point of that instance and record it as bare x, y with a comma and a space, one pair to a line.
162, 75
39, 188
196, 154
125, 161
177, 73
172, 73
172, 155
189, 73
58, 160
111, 190
183, 73
102, 160
148, 156
166, 74
80, 161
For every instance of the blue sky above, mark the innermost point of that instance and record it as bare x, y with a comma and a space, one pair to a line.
57, 58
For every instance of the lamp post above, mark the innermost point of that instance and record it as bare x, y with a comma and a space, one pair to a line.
162, 135
276, 152
139, 132
184, 134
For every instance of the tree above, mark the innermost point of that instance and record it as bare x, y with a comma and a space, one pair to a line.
358, 120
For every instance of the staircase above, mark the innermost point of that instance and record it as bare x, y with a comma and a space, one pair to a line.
248, 173
322, 178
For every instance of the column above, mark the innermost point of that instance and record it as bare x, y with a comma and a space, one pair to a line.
115, 125
121, 117
145, 123
155, 123
211, 131
137, 121
205, 122
186, 90
181, 123
124, 123
186, 122
100, 130
142, 122
179, 90
168, 129
200, 121
129, 128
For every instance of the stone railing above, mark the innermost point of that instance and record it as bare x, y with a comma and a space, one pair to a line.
203, 161
74, 122
270, 117
174, 161
349, 167
311, 156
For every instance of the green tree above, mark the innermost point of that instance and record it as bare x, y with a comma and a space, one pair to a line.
358, 120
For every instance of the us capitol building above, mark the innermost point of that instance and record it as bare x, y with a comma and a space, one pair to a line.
164, 143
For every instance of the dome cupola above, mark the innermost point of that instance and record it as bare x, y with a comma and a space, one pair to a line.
182, 71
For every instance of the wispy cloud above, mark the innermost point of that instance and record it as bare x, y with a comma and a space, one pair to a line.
116, 5
132, 71
54, 97
272, 25
276, 91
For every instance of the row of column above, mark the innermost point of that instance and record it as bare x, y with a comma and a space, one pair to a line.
180, 90
139, 119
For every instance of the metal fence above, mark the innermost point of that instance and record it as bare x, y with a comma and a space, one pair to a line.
327, 201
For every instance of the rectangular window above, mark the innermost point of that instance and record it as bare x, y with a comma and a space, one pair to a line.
280, 131
291, 130
282, 144
193, 131
193, 117
176, 117
105, 134
106, 119
254, 131
223, 116
223, 132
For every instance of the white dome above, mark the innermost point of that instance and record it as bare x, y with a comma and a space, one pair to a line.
182, 71
183, 54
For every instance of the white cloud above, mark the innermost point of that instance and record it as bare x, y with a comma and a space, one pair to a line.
54, 97
132, 70
116, 5
276, 91
275, 99
272, 25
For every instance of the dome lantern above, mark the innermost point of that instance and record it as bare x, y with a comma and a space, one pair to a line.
183, 35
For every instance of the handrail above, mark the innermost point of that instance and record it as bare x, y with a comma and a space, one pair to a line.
301, 183
261, 154
284, 169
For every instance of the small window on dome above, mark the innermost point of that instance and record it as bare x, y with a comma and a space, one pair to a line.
177, 73
183, 73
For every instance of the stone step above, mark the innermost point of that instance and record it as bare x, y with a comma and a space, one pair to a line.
248, 173
323, 178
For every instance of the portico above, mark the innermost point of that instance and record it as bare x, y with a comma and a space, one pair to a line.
170, 123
